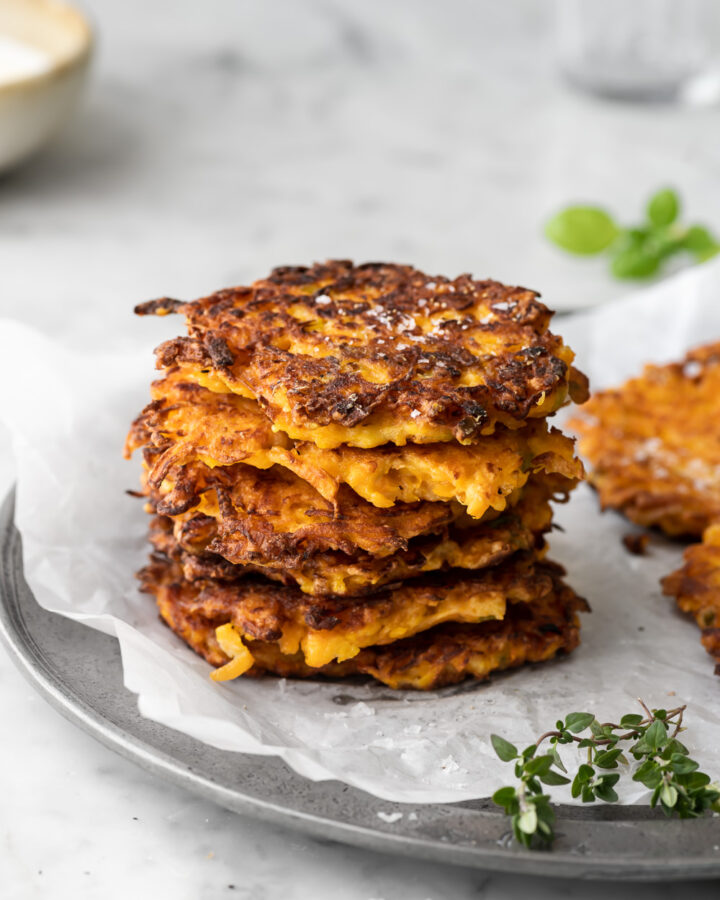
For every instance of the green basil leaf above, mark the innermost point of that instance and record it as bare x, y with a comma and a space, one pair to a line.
663, 207
584, 230
698, 239
635, 263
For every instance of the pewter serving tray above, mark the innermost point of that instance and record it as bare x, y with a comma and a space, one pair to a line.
79, 671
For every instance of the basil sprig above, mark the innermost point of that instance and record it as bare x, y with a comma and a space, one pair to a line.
634, 252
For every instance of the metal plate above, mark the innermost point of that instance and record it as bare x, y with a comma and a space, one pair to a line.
79, 671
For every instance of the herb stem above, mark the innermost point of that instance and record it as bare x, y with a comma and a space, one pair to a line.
663, 766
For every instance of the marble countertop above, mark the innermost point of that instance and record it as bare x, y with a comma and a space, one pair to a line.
219, 139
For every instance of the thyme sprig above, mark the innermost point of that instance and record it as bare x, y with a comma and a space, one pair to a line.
651, 739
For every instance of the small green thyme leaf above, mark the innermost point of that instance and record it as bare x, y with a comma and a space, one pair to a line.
505, 796
648, 774
556, 757
528, 820
578, 721
668, 795
597, 730
681, 765
656, 735
539, 766
576, 787
631, 721
608, 758
697, 780
553, 778
605, 792
504, 749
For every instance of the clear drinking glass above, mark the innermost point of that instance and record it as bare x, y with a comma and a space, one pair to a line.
651, 50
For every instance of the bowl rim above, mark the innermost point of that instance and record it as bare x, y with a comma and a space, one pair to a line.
76, 60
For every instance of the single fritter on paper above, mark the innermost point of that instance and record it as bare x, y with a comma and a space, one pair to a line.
653, 445
696, 588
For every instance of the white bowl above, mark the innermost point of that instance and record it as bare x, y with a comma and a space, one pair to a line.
33, 108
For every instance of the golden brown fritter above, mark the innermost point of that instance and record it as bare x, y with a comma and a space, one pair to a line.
378, 353
273, 515
530, 633
696, 587
272, 518
194, 543
654, 444
186, 423
265, 628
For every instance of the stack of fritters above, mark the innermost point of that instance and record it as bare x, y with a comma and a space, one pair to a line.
654, 448
350, 471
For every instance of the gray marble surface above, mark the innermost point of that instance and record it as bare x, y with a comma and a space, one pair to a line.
221, 138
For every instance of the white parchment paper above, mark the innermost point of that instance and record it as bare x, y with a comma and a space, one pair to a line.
83, 539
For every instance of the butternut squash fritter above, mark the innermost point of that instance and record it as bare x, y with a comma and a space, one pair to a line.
378, 353
696, 588
186, 423
254, 626
654, 444
277, 516
273, 518
195, 544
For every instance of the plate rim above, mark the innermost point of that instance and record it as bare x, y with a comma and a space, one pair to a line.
489, 849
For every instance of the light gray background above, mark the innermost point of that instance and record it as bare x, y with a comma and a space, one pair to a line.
218, 139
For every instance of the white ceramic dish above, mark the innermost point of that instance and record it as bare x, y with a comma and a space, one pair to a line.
34, 107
